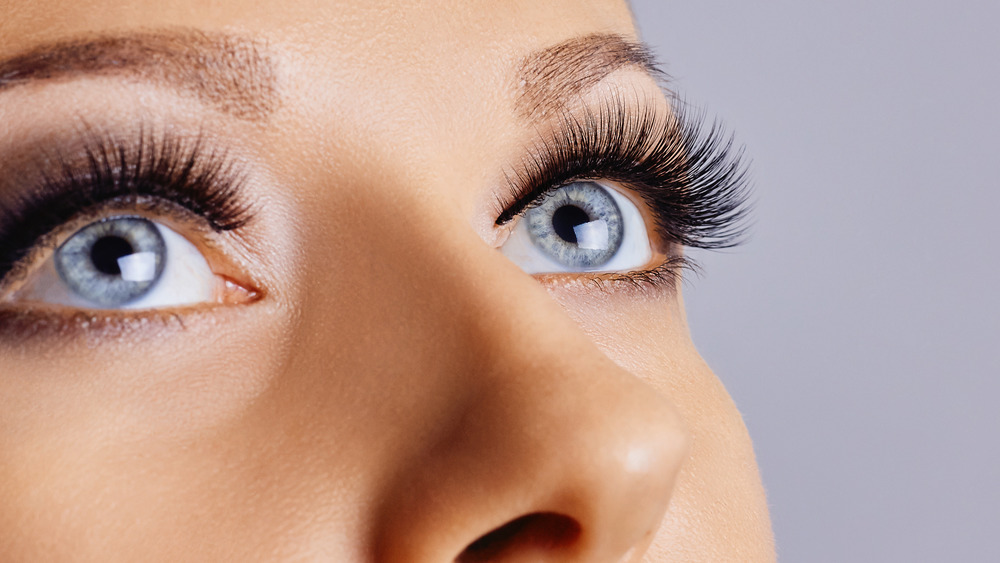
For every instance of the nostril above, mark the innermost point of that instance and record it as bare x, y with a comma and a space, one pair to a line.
540, 533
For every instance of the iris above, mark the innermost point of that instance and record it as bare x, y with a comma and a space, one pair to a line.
579, 225
114, 261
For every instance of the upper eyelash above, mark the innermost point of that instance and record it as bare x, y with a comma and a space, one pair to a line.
694, 181
691, 175
157, 167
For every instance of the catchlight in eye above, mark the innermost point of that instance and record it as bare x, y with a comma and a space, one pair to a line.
123, 262
584, 226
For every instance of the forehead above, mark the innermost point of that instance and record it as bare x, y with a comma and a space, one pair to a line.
417, 54
382, 31
431, 52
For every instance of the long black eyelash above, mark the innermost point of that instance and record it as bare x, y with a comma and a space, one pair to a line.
147, 169
691, 175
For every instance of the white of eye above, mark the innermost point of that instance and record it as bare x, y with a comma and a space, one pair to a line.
609, 231
184, 279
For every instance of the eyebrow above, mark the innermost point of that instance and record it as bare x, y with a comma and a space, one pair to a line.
234, 74
550, 77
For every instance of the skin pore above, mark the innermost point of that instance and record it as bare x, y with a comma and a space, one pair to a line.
377, 382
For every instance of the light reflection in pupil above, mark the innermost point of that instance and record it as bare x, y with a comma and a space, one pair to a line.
106, 252
565, 219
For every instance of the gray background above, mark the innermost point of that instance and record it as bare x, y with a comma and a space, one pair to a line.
858, 330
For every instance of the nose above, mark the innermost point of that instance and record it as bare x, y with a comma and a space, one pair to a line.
553, 452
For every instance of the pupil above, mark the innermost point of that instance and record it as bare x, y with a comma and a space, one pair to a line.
567, 217
106, 252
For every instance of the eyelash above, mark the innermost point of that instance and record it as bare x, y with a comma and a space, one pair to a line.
688, 171
690, 175
162, 174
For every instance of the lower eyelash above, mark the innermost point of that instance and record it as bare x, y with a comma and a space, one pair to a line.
669, 273
666, 275
29, 325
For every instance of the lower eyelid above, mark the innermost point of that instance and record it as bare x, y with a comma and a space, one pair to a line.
28, 326
660, 281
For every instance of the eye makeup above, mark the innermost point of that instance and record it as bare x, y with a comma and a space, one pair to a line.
166, 175
690, 175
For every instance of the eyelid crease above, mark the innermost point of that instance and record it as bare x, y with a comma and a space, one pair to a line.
692, 176
137, 172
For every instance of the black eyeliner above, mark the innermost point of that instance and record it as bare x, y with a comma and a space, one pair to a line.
144, 170
691, 175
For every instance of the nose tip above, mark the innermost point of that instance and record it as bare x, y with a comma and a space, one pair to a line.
546, 450
568, 469
618, 476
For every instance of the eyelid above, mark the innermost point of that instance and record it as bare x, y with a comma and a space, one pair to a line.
167, 215
691, 177
159, 173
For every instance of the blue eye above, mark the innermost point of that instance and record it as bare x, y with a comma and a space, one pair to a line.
578, 226
113, 262
581, 227
123, 262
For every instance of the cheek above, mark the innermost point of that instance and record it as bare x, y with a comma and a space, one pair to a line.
642, 329
99, 432
127, 380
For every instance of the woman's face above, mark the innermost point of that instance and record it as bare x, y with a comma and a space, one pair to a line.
268, 293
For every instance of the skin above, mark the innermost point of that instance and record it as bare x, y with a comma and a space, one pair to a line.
397, 388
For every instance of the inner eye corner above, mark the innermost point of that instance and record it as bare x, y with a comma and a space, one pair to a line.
241, 292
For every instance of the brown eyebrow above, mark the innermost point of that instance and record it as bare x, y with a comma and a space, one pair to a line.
233, 74
548, 78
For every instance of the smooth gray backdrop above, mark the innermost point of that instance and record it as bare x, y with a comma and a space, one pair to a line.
859, 330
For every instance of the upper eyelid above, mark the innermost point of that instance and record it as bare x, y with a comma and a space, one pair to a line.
551, 158
135, 170
692, 176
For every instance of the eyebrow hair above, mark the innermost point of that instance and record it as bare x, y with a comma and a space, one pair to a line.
233, 74
551, 76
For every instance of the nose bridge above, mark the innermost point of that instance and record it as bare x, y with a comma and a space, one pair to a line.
549, 427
